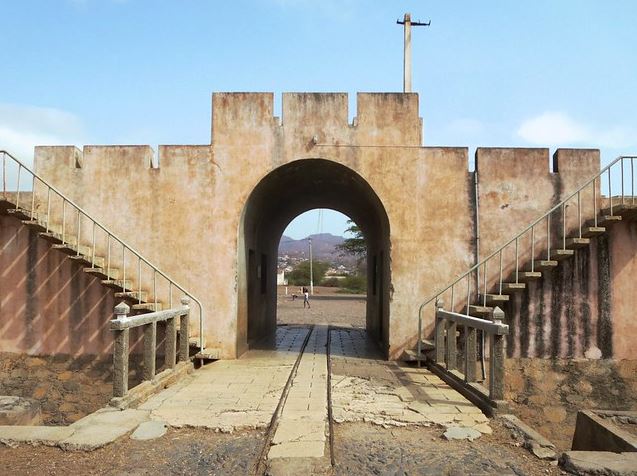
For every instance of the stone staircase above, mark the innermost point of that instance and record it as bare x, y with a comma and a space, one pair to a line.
524, 258
133, 279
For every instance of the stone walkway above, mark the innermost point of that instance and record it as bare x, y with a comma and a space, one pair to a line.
303, 425
245, 394
230, 395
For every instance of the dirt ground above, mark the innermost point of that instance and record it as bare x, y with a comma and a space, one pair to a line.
362, 448
187, 451
326, 306
359, 448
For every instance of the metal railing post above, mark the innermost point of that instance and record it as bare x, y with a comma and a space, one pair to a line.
184, 324
439, 333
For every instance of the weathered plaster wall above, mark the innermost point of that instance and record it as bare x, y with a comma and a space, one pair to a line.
48, 304
583, 308
427, 193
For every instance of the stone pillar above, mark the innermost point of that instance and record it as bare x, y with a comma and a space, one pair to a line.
496, 360
451, 356
171, 343
120, 354
184, 323
470, 354
150, 350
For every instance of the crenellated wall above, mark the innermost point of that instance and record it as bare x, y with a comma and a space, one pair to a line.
187, 214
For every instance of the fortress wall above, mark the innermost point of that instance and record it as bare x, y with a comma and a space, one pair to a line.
388, 119
427, 193
149, 208
242, 118
516, 187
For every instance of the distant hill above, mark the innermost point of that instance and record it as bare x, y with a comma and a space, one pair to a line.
323, 247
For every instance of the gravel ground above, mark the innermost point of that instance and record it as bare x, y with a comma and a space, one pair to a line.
342, 309
188, 451
363, 448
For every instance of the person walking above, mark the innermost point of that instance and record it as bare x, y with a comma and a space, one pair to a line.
306, 298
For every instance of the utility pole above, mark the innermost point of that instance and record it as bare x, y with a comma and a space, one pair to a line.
311, 273
407, 24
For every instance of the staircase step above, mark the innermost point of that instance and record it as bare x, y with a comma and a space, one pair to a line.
118, 283
529, 275
575, 243
495, 298
71, 249
133, 295
562, 254
98, 261
147, 306
480, 311
590, 231
626, 209
22, 213
412, 356
513, 287
606, 219
103, 273
35, 224
52, 237
544, 264
427, 345
209, 354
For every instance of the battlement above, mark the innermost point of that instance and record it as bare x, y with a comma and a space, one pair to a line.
391, 118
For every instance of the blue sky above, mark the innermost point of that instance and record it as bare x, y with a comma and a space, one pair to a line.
491, 73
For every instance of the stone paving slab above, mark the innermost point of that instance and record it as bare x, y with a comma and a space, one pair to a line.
233, 394
102, 427
367, 388
34, 435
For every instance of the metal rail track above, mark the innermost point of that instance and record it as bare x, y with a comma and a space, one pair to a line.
260, 464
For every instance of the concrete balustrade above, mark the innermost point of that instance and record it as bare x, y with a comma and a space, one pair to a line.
446, 352
121, 326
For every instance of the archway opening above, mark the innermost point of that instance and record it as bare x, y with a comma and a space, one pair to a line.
322, 271
283, 194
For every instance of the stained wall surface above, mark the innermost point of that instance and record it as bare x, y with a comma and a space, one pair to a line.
187, 214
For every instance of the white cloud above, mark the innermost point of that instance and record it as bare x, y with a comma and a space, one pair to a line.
558, 128
23, 127
552, 128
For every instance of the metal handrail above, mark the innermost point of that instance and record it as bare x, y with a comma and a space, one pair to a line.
110, 236
516, 239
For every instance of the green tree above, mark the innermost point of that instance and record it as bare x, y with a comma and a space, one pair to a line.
354, 246
300, 275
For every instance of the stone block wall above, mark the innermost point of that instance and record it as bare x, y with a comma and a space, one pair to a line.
67, 388
548, 393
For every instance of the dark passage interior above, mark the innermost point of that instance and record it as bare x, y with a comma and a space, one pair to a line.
282, 195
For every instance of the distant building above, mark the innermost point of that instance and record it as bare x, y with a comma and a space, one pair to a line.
280, 278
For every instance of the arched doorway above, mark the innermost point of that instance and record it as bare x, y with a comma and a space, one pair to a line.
279, 197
